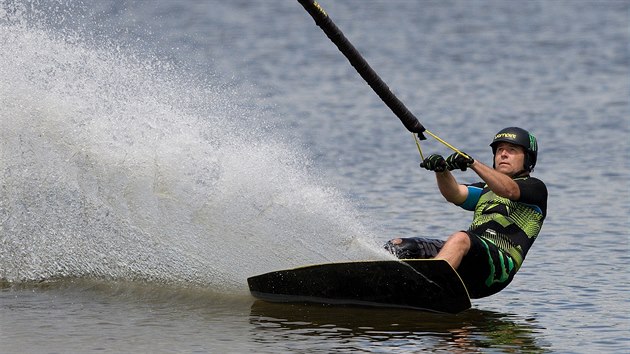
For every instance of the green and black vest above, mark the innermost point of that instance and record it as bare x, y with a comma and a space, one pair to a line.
511, 225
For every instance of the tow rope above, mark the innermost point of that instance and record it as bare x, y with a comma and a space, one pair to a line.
370, 76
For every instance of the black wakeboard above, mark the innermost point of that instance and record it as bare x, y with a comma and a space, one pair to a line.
424, 284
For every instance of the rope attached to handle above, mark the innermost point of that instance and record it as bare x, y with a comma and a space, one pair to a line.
441, 141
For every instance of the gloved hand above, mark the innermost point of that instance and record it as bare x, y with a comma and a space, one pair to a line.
457, 161
434, 162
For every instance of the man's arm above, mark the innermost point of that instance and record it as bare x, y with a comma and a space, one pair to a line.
451, 190
501, 184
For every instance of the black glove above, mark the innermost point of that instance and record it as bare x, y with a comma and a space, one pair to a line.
458, 161
434, 162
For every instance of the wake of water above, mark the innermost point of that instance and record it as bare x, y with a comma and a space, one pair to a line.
114, 165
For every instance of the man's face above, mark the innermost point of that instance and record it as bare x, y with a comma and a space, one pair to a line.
509, 158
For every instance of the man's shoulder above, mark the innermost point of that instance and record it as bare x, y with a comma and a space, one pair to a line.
533, 190
530, 180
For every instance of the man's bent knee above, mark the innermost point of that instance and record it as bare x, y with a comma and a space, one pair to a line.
455, 248
460, 240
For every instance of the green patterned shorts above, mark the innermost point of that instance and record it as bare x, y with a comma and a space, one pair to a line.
486, 269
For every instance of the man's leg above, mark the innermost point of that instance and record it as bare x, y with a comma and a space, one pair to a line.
455, 248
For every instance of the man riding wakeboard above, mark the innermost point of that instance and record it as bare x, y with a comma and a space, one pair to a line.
509, 209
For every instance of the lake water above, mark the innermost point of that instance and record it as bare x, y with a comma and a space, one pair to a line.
155, 154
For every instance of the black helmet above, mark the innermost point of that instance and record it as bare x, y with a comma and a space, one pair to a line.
521, 137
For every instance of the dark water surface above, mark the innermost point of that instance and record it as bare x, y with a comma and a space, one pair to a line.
154, 154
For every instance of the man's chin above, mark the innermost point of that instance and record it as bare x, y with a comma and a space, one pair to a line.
506, 170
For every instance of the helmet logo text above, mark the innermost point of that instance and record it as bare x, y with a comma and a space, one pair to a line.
505, 135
